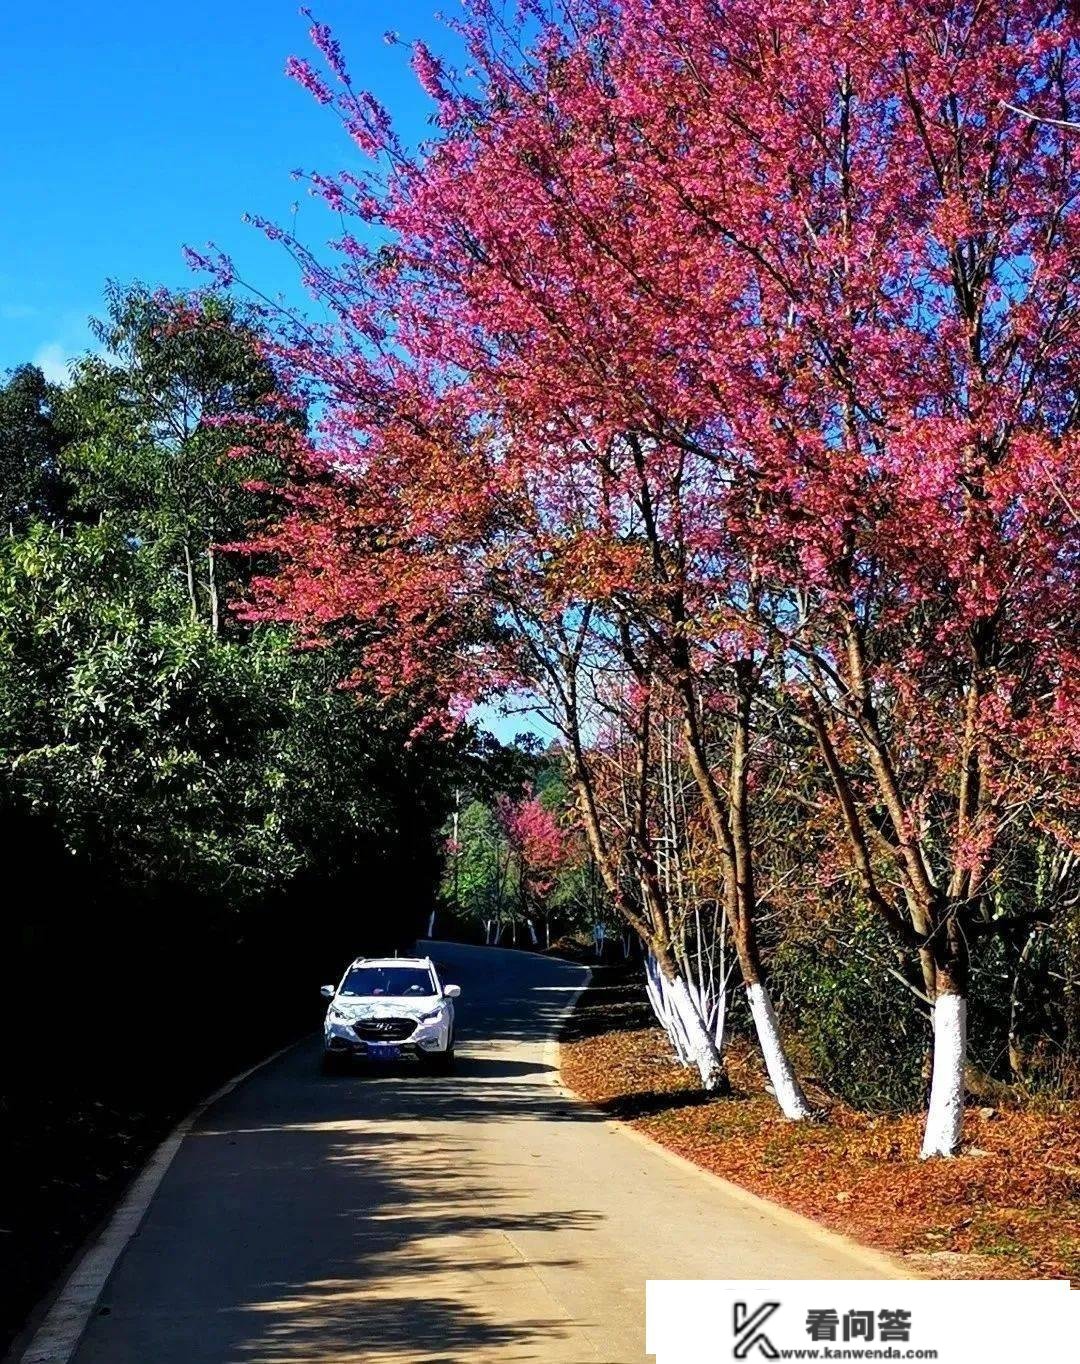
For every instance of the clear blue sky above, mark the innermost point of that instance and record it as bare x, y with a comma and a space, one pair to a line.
132, 129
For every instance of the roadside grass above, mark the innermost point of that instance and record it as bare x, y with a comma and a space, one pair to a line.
1007, 1207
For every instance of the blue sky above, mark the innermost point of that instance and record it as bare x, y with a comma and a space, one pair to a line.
133, 129
136, 129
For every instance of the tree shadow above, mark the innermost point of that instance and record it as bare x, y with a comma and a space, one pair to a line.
647, 1104
615, 1002
362, 1216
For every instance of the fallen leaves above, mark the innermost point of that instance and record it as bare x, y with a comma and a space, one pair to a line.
1007, 1207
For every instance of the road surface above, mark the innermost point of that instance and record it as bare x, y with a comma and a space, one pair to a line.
400, 1218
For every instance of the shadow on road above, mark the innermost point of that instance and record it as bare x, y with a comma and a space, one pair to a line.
347, 1218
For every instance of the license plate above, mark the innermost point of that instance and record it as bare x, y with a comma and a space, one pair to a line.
384, 1051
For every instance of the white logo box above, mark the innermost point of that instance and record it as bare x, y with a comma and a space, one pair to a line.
978, 1321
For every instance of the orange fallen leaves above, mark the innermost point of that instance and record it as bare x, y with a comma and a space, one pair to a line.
1007, 1207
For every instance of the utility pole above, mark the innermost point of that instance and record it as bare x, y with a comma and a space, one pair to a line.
457, 853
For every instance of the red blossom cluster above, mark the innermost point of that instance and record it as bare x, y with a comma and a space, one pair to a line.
724, 346
544, 847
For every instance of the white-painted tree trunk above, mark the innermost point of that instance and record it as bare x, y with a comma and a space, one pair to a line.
786, 1087
660, 999
710, 1007
698, 1037
598, 939
945, 1119
674, 1025
719, 1020
652, 973
431, 924
532, 931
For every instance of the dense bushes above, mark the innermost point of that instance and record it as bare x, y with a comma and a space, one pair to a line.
857, 1010
864, 1029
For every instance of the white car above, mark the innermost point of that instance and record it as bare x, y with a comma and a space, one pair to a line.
386, 1007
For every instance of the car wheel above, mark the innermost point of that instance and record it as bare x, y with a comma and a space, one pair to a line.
440, 1062
334, 1063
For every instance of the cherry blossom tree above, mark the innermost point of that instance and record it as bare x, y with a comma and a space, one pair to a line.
724, 351
895, 383
546, 852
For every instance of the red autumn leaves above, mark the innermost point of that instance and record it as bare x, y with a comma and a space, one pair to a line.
717, 351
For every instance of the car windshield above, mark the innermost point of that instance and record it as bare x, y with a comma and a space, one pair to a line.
369, 982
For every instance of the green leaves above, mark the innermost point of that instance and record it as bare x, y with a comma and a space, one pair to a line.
169, 746
30, 442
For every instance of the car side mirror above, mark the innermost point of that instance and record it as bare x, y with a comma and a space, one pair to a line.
328, 992
451, 991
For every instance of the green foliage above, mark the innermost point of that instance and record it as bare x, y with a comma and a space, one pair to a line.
865, 1030
868, 1034
165, 748
481, 879
153, 425
30, 443
503, 868
144, 742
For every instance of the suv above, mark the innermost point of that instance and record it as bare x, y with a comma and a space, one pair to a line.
386, 1007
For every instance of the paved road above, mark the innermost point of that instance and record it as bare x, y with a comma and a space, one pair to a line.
399, 1218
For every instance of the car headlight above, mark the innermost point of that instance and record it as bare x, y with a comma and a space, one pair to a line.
431, 1017
336, 1016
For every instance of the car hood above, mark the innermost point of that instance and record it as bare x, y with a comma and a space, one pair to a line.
397, 1005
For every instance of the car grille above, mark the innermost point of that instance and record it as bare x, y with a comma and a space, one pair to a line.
384, 1029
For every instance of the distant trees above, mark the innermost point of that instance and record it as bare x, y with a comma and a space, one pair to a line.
515, 860
547, 853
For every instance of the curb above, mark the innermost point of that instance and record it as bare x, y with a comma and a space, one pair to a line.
553, 1042
58, 1336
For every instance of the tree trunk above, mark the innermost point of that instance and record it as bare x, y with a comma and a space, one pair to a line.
190, 569
1017, 1059
729, 821
211, 582
945, 1119
645, 919
789, 1095
660, 1000
719, 1018
696, 1034
673, 1001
